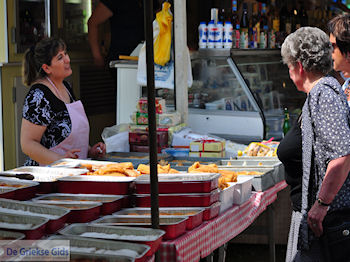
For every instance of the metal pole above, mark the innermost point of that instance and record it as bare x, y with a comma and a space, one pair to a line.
152, 135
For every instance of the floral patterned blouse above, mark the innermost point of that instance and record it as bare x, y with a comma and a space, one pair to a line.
42, 107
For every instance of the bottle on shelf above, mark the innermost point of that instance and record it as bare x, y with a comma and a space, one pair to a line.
211, 34
244, 28
264, 28
228, 35
235, 25
203, 33
219, 36
253, 24
286, 124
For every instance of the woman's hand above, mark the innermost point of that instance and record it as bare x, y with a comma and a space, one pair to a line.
71, 153
98, 150
315, 218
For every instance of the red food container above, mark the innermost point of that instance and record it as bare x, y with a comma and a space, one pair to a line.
141, 138
32, 226
147, 236
24, 189
179, 183
211, 211
110, 203
173, 226
80, 212
95, 185
145, 149
180, 200
8, 193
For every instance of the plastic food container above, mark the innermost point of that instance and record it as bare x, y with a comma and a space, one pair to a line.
47, 176
194, 214
57, 215
95, 185
80, 211
103, 250
110, 203
173, 226
32, 226
24, 189
179, 183
180, 200
211, 211
259, 182
147, 236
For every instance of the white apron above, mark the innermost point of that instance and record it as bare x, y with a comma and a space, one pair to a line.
79, 135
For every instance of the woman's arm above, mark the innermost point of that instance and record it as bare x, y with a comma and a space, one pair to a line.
99, 16
336, 174
31, 135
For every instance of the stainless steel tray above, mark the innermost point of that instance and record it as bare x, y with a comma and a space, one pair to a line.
7, 237
118, 221
31, 209
181, 177
97, 179
110, 232
78, 197
106, 249
77, 163
12, 182
47, 174
72, 205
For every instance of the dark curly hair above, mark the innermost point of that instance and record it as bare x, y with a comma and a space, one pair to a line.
339, 26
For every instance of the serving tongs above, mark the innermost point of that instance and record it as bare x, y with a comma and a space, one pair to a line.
25, 176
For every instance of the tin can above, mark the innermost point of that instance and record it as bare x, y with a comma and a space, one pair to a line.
203, 35
228, 34
219, 36
211, 34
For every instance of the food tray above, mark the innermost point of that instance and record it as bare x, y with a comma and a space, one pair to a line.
110, 203
194, 214
226, 197
259, 182
147, 236
32, 226
27, 189
173, 226
135, 158
253, 163
179, 183
203, 160
7, 192
180, 199
242, 190
80, 212
211, 211
7, 237
78, 163
103, 250
95, 185
57, 215
47, 176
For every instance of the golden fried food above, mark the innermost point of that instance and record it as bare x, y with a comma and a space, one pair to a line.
249, 173
229, 174
145, 169
199, 168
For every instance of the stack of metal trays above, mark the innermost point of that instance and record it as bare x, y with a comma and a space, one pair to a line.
134, 157
148, 236
23, 189
173, 226
101, 250
57, 215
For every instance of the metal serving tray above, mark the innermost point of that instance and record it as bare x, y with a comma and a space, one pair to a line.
110, 203
32, 226
7, 237
259, 182
47, 176
147, 236
173, 226
95, 185
57, 215
101, 250
211, 211
78, 163
180, 199
179, 183
253, 163
135, 158
80, 211
194, 214
27, 191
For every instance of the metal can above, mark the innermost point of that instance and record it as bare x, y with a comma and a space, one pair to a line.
228, 34
219, 36
211, 34
203, 35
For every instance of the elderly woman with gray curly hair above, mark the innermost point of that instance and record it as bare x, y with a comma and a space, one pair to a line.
325, 140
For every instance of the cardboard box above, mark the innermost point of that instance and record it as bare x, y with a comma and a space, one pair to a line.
142, 105
207, 154
207, 146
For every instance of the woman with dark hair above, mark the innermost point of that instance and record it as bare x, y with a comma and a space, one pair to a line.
325, 135
54, 123
339, 30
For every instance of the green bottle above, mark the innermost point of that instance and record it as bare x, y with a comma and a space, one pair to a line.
286, 124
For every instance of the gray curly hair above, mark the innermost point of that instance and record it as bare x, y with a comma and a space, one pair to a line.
311, 47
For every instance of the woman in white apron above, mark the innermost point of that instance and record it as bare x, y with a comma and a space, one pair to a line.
54, 124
